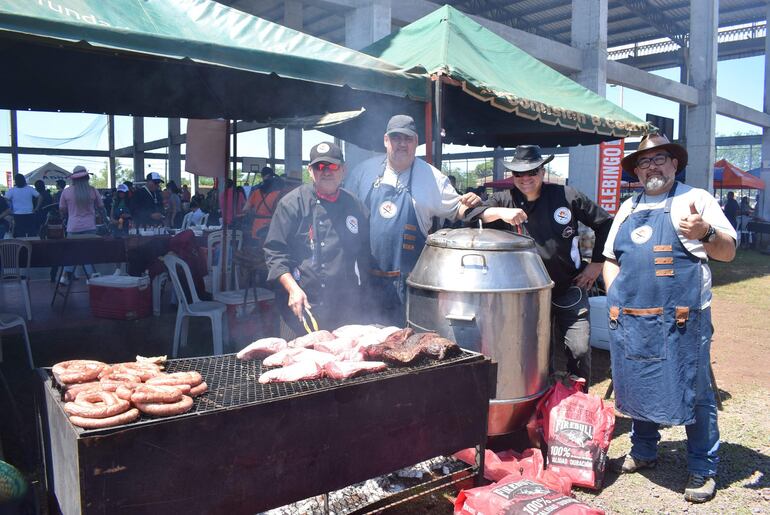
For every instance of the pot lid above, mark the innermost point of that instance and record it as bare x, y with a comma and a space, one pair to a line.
480, 239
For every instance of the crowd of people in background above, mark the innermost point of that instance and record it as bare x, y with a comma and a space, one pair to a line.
34, 210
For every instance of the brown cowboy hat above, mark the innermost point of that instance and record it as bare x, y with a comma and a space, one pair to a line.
654, 141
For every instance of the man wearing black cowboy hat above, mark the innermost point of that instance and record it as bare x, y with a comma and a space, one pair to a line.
659, 297
550, 213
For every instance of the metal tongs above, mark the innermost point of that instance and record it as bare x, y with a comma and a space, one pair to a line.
312, 321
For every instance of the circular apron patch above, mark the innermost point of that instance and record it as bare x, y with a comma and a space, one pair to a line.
352, 223
562, 215
388, 209
641, 234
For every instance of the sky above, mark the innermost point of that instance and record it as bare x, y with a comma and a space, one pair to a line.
740, 80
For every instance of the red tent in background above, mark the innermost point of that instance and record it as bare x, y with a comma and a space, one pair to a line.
734, 178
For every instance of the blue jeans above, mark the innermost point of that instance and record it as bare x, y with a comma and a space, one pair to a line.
703, 435
87, 267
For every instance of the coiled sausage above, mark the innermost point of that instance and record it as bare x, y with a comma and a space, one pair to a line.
96, 423
166, 409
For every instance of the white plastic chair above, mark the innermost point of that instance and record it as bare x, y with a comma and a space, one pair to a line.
215, 311
187, 221
205, 220
14, 268
9, 320
213, 242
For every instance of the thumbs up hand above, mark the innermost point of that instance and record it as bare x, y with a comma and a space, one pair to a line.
692, 226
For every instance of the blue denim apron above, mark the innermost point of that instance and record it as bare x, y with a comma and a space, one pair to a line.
396, 239
655, 319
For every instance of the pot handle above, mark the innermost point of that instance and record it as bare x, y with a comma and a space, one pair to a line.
460, 318
483, 262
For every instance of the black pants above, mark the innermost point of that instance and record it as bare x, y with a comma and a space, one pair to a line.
571, 332
25, 225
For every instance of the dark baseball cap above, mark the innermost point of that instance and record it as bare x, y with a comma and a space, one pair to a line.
267, 171
403, 124
326, 152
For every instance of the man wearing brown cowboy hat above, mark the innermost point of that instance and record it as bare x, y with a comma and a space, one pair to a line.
659, 297
550, 213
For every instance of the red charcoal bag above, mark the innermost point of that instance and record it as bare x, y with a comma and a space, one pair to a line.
526, 465
514, 495
577, 428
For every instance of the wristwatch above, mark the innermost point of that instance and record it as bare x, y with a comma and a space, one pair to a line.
710, 236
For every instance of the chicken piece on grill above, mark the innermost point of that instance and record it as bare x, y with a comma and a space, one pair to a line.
346, 369
395, 340
354, 331
302, 371
262, 348
340, 345
309, 340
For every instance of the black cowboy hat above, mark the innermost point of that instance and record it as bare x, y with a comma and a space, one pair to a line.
526, 158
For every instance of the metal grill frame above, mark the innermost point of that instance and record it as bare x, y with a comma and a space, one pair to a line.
256, 456
228, 377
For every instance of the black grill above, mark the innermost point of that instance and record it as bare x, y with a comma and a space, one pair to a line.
233, 383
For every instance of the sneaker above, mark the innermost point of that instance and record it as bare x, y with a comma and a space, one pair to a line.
700, 488
631, 464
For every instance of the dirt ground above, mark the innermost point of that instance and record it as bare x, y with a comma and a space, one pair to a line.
740, 348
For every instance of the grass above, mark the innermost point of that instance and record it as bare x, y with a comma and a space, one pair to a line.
745, 279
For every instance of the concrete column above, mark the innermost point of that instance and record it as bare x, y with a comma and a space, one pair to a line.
111, 169
292, 138
14, 143
684, 79
764, 199
498, 170
589, 34
138, 124
701, 118
174, 151
365, 23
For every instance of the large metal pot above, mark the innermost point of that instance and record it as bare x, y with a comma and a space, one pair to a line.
489, 291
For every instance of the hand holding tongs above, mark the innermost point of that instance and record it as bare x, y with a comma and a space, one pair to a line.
312, 321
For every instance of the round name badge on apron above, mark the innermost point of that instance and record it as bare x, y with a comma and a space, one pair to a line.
641, 235
388, 209
562, 215
352, 224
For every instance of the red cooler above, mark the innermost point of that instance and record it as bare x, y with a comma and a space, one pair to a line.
121, 297
250, 321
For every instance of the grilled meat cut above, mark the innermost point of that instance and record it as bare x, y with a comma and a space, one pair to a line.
395, 340
400, 350
340, 345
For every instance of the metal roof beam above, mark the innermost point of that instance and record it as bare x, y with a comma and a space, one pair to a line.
655, 18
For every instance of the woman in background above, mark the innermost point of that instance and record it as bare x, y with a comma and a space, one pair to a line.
79, 204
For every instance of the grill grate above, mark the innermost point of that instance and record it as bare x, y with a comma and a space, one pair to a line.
234, 383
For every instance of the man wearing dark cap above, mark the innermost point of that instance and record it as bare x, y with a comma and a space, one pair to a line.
659, 298
403, 196
550, 213
147, 202
263, 200
317, 242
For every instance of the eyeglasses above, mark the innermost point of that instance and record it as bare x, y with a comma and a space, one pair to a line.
658, 159
529, 173
332, 167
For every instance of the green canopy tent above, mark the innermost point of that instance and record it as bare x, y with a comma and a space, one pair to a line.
489, 92
185, 58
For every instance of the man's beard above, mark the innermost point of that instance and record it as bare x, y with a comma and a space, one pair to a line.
654, 183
